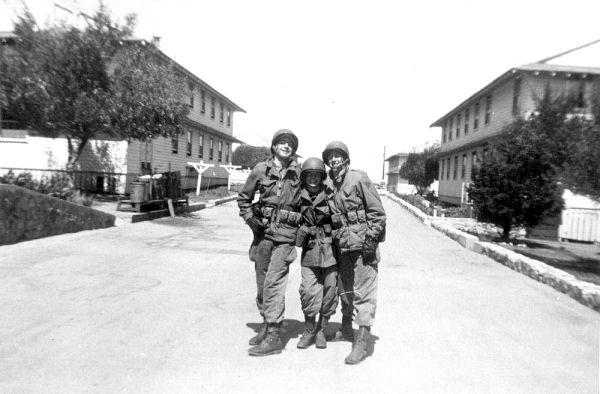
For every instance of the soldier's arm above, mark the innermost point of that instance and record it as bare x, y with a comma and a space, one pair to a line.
246, 195
374, 211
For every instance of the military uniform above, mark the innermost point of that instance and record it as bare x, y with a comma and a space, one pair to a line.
319, 267
272, 249
359, 216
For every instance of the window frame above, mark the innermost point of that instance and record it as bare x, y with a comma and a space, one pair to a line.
201, 146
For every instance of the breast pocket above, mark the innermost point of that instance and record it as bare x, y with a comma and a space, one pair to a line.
266, 186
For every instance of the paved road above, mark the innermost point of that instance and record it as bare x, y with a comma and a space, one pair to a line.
168, 306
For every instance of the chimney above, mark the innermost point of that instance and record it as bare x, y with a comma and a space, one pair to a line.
156, 41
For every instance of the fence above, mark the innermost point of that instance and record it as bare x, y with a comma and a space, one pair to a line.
580, 224
89, 181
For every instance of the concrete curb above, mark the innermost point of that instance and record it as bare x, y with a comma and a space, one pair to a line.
585, 293
179, 210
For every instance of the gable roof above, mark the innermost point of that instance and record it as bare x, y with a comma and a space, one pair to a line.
584, 59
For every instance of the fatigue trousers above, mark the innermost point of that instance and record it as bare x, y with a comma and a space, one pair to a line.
318, 290
271, 263
357, 287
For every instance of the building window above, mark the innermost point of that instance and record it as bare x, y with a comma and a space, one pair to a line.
457, 125
455, 172
463, 169
227, 160
221, 113
473, 162
202, 101
192, 99
516, 95
175, 143
211, 143
201, 146
228, 117
581, 95
444, 127
188, 145
443, 164
476, 116
220, 153
212, 107
450, 129
448, 169
488, 109
467, 115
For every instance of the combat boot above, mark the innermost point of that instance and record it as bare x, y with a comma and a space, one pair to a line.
359, 348
271, 344
345, 333
321, 340
308, 336
260, 335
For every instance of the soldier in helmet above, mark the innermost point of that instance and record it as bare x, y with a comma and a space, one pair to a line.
359, 225
319, 267
274, 220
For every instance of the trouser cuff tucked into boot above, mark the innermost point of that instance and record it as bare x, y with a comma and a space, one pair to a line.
321, 338
308, 336
271, 344
345, 333
359, 348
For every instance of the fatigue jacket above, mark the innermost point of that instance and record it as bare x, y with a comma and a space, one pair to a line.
316, 218
278, 202
359, 212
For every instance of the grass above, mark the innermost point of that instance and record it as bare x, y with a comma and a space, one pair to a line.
210, 194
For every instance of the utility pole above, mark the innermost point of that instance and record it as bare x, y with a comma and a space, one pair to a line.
383, 166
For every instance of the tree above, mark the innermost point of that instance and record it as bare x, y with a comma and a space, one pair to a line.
421, 168
581, 169
517, 183
248, 156
85, 84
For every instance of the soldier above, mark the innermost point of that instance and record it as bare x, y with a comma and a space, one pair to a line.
319, 267
359, 226
274, 220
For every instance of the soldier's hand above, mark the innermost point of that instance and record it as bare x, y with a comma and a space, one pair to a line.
255, 224
302, 235
369, 249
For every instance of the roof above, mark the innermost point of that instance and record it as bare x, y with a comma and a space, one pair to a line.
539, 66
397, 155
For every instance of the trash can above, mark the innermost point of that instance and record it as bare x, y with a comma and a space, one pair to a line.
138, 192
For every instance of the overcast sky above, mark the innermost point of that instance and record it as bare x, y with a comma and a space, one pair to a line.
373, 74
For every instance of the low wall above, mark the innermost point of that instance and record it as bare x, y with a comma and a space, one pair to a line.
25, 215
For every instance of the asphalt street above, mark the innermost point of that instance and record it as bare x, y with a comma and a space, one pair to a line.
167, 306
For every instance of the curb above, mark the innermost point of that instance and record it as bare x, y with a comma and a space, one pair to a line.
585, 293
179, 210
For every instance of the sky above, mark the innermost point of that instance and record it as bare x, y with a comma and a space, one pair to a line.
373, 74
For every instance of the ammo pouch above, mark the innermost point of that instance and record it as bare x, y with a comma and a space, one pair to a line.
281, 216
351, 217
322, 232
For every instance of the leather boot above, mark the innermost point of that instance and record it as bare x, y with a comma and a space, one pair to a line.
308, 336
321, 341
271, 344
359, 348
345, 333
260, 335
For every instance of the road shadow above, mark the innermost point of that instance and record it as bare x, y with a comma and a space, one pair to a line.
290, 329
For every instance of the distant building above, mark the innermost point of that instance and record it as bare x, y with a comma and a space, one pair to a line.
395, 183
469, 129
207, 136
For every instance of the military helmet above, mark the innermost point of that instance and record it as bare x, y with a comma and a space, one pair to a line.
336, 146
313, 164
282, 133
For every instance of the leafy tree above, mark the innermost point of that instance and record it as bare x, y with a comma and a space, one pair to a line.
517, 184
421, 168
581, 169
248, 156
88, 83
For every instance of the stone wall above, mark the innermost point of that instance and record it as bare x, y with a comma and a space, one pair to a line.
25, 215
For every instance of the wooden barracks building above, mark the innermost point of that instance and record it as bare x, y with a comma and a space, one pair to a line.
468, 130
